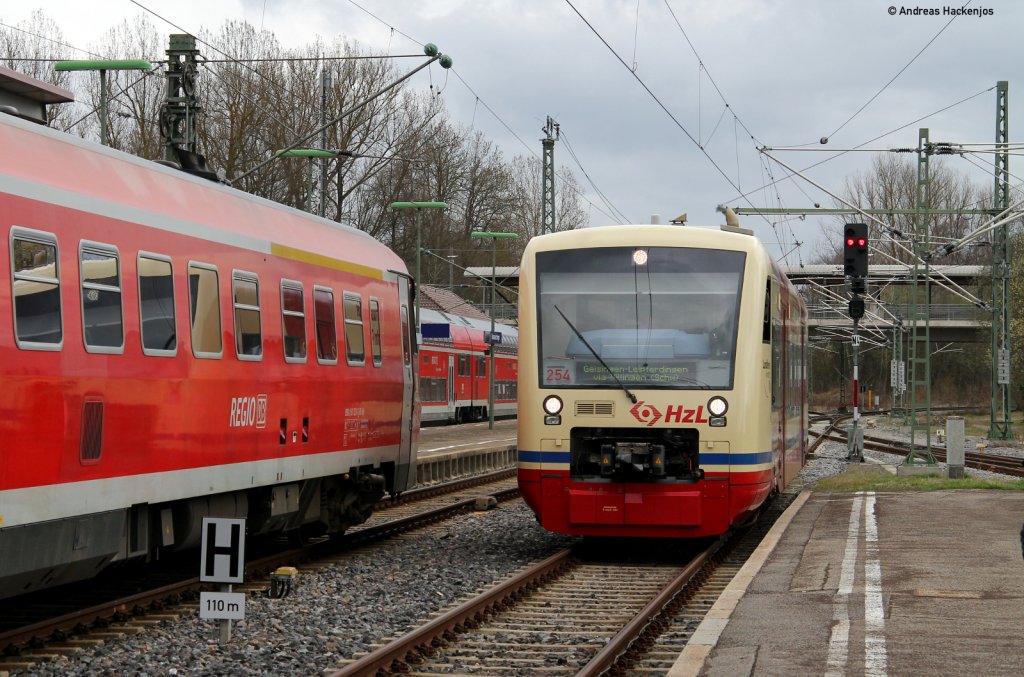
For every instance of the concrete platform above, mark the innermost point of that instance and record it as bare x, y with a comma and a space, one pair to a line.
908, 583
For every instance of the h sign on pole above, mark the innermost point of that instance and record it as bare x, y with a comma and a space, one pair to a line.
223, 555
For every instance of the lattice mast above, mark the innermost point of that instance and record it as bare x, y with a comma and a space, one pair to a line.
999, 423
547, 208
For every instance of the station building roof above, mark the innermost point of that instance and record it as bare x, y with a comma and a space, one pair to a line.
29, 96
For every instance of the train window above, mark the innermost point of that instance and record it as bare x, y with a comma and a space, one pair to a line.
775, 318
102, 314
245, 295
326, 327
376, 349
609, 318
293, 313
36, 290
355, 349
204, 310
156, 305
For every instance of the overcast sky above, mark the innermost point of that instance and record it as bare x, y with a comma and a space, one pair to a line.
725, 77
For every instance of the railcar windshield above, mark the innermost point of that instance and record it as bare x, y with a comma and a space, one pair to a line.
650, 317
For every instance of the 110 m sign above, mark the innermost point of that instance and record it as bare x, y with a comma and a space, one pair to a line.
222, 605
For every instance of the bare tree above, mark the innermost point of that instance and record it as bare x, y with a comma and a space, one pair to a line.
528, 191
891, 184
31, 47
391, 143
240, 97
133, 97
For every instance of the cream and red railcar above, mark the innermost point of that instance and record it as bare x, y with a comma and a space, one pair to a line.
454, 360
661, 380
171, 349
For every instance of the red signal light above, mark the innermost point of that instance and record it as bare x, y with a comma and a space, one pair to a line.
855, 250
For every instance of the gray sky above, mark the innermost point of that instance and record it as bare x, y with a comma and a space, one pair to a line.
724, 78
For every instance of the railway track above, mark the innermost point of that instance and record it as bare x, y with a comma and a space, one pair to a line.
993, 462
554, 616
61, 619
577, 613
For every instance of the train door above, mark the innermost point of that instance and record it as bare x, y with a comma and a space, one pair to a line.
775, 312
406, 455
451, 387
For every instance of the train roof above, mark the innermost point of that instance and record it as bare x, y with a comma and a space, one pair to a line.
646, 235
55, 167
438, 317
447, 301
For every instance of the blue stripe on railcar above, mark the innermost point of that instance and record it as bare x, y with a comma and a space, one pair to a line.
754, 458
543, 456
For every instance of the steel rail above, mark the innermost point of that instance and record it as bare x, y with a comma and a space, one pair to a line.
624, 640
405, 648
72, 623
1007, 465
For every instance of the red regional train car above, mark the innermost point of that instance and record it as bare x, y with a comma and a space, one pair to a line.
172, 349
453, 368
662, 382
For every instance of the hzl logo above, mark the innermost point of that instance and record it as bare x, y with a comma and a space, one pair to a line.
649, 414
645, 413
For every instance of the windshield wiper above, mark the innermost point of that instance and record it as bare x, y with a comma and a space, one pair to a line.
631, 396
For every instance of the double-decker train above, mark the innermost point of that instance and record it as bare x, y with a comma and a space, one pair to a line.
172, 349
454, 363
662, 388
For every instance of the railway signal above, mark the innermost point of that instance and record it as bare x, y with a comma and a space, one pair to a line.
855, 266
856, 307
855, 250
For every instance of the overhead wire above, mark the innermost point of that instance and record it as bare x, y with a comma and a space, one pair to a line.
478, 101
737, 121
56, 42
216, 49
572, 153
654, 96
111, 98
701, 145
898, 74
887, 230
703, 67
273, 84
875, 96
508, 128
872, 140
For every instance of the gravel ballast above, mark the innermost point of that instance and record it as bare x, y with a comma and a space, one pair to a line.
374, 593
332, 613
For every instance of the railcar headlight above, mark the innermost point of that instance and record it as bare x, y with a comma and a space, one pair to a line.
718, 406
553, 405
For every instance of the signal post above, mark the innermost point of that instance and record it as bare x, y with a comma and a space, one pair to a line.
855, 267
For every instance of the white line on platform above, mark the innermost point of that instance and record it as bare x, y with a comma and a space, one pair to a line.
839, 641
691, 661
875, 657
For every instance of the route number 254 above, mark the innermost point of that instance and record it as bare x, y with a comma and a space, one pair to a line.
557, 375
